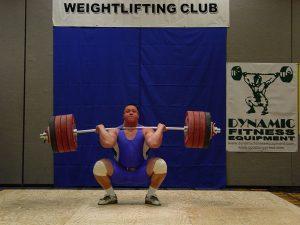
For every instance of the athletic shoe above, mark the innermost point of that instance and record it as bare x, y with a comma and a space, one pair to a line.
152, 200
108, 199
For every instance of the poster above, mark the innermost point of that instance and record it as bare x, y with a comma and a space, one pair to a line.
262, 111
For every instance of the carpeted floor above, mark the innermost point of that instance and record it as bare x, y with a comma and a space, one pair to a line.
36, 206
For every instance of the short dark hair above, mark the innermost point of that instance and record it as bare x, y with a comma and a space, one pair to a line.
135, 105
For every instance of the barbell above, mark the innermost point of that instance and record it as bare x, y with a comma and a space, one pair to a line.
286, 73
61, 132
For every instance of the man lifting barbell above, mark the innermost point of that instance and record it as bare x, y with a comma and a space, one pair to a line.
131, 142
259, 87
131, 164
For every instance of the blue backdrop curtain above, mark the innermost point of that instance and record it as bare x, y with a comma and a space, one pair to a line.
166, 71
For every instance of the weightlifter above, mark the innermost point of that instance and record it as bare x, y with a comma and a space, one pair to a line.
131, 163
258, 89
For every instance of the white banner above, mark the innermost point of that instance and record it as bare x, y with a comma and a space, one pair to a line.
141, 13
262, 107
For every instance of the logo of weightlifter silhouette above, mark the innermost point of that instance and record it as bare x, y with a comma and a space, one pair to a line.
259, 87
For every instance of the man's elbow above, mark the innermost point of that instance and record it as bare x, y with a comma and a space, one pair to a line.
106, 144
155, 145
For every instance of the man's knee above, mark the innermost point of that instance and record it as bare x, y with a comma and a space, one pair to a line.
100, 169
160, 167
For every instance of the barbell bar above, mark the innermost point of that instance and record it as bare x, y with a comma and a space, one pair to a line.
127, 128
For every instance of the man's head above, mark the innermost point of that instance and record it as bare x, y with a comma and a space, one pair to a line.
131, 115
257, 79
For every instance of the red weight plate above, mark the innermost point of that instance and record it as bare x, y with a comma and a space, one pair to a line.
52, 134
60, 147
202, 129
187, 139
196, 131
71, 136
186, 123
64, 134
190, 131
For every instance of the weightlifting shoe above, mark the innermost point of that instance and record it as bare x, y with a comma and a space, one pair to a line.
108, 199
152, 200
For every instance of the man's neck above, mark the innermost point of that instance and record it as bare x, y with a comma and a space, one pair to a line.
130, 125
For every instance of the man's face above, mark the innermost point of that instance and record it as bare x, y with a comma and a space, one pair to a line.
131, 114
257, 80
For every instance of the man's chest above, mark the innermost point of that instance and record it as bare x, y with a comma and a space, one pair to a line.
130, 134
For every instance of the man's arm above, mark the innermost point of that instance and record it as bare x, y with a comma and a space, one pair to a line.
246, 79
154, 138
107, 138
271, 80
